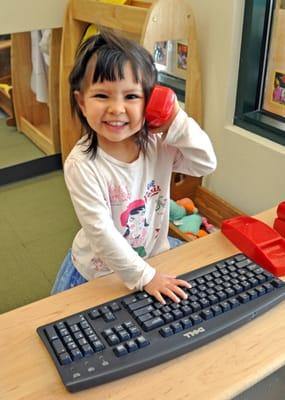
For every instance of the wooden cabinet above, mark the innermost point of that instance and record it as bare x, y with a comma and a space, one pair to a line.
6, 103
39, 121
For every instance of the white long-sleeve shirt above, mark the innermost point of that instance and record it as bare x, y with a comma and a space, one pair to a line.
123, 208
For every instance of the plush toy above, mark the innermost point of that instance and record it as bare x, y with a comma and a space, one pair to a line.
208, 227
184, 215
189, 223
176, 211
188, 205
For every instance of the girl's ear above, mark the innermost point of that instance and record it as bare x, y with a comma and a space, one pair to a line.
80, 100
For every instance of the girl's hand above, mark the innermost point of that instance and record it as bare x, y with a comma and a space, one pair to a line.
164, 128
168, 285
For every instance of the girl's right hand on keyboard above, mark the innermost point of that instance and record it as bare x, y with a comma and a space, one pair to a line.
163, 285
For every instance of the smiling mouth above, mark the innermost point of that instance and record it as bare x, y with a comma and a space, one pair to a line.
116, 123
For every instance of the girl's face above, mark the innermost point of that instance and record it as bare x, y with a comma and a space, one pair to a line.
114, 110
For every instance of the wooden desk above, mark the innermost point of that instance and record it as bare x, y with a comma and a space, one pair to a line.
219, 370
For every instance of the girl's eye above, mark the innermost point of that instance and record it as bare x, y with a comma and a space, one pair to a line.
100, 96
132, 96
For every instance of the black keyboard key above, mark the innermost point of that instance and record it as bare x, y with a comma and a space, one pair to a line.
115, 307
244, 297
234, 303
64, 358
76, 354
94, 314
177, 314
131, 346
260, 290
225, 305
252, 293
168, 317
142, 342
139, 304
51, 333
145, 317
268, 287
87, 350
98, 345
166, 331
176, 327
58, 346
277, 283
120, 350
143, 310
152, 324
186, 310
124, 335
217, 310
196, 319
207, 314
134, 331
113, 339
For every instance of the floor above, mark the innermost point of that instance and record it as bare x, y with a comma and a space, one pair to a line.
37, 225
37, 228
15, 147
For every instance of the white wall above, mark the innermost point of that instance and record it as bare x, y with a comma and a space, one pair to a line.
26, 15
251, 169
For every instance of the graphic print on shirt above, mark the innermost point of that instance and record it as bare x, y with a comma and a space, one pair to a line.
118, 194
134, 217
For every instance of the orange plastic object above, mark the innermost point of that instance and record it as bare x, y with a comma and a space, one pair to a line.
258, 241
160, 106
279, 223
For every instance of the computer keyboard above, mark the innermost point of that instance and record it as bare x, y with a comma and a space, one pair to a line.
135, 332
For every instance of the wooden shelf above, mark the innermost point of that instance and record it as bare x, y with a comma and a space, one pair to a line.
38, 121
5, 44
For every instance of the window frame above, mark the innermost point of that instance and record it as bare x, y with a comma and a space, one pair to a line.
257, 24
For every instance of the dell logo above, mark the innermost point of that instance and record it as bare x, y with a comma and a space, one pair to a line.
194, 332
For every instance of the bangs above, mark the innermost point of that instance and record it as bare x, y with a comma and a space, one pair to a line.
109, 64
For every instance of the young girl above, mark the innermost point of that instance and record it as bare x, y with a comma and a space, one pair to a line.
118, 174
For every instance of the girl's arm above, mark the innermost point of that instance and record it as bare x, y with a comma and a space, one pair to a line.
195, 155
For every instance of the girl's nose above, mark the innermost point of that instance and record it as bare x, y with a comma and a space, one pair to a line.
116, 107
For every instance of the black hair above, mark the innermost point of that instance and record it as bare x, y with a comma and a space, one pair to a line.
107, 55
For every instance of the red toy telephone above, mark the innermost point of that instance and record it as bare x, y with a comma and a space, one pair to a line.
258, 241
160, 106
279, 223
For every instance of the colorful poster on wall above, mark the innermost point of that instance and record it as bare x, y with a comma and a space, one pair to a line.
160, 53
278, 93
182, 53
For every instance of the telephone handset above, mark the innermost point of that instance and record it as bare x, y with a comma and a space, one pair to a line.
160, 106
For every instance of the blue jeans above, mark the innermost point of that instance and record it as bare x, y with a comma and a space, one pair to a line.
68, 276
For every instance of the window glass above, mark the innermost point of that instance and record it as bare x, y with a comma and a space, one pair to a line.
260, 102
274, 93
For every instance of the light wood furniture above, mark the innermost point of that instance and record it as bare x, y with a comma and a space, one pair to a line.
6, 103
38, 121
209, 205
217, 371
